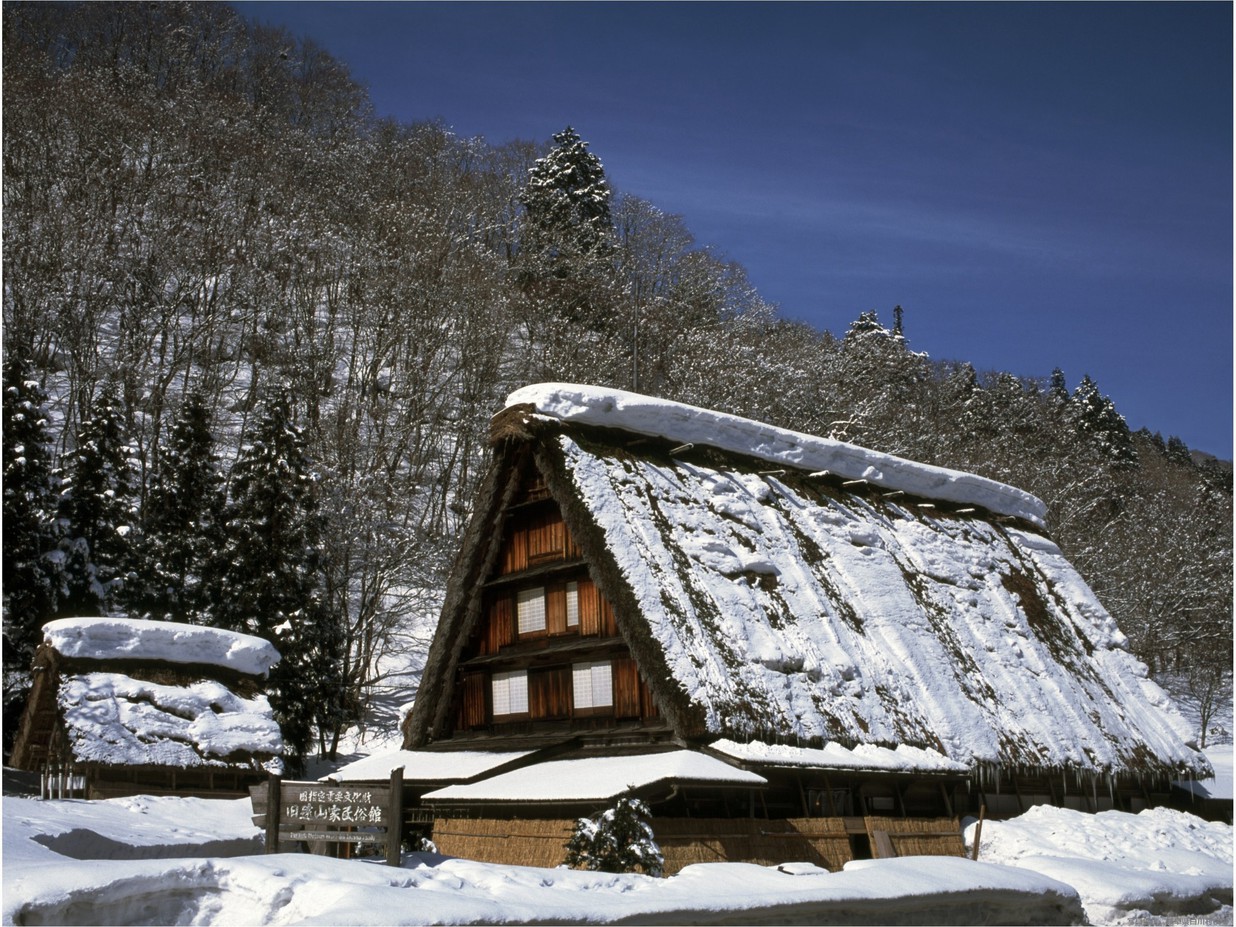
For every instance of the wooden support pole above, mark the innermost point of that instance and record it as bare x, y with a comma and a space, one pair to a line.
978, 832
274, 811
394, 823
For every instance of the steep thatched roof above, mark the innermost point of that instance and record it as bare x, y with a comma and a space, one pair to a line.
118, 692
788, 589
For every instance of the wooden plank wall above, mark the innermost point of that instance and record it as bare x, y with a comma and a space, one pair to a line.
549, 693
596, 617
535, 538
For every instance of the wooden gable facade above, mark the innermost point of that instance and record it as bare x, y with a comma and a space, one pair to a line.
546, 655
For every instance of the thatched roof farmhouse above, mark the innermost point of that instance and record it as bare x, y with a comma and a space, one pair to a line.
124, 706
865, 634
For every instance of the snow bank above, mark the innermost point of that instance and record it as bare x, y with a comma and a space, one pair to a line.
597, 778
46, 885
1128, 868
74, 862
139, 639
137, 827
645, 415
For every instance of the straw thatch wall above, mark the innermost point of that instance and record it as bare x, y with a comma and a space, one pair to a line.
684, 841
518, 842
915, 837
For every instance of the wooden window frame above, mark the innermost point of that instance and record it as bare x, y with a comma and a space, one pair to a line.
529, 594
594, 709
506, 676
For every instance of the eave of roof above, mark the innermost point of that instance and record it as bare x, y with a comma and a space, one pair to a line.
598, 779
428, 767
833, 756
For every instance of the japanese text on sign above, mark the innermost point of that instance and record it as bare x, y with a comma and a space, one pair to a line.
336, 806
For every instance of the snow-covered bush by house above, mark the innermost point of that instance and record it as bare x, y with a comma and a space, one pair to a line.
619, 839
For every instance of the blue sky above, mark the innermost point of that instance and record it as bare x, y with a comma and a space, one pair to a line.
1038, 185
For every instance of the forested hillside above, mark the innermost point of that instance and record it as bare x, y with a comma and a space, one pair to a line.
253, 337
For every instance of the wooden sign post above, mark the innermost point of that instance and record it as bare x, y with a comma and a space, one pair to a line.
337, 814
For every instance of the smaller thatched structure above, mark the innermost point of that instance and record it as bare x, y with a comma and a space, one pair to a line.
123, 706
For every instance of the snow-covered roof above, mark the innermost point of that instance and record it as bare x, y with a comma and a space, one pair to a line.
115, 720
597, 778
675, 421
165, 641
426, 765
902, 758
831, 617
779, 605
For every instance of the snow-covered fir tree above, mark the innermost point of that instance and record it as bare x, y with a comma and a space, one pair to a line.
567, 236
30, 581
268, 577
1177, 451
567, 204
1057, 389
620, 839
1096, 419
181, 527
98, 508
867, 329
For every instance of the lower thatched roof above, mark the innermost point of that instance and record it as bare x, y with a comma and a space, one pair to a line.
112, 719
597, 779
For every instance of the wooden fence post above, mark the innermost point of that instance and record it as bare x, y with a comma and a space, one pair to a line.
978, 831
274, 812
394, 821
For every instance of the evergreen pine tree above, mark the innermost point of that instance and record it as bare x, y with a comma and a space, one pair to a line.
619, 840
868, 333
1058, 389
1177, 451
181, 519
30, 580
1095, 417
567, 204
268, 579
98, 509
568, 231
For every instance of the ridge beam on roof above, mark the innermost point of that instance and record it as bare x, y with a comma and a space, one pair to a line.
690, 425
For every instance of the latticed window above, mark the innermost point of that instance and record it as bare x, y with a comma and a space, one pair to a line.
510, 693
592, 684
572, 605
530, 610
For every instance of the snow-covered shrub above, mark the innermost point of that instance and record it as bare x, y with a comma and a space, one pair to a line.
618, 840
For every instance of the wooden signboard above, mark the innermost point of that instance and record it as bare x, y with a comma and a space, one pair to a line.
337, 814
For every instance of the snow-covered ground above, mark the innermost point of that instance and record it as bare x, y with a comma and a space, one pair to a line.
190, 861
